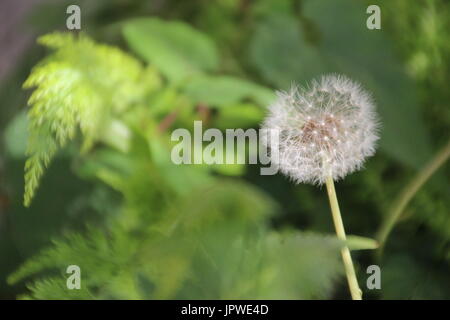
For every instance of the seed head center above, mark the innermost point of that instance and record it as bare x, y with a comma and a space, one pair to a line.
321, 132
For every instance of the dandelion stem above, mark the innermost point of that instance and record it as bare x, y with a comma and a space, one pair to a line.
345, 251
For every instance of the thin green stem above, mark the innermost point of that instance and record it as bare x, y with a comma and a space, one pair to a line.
345, 251
408, 193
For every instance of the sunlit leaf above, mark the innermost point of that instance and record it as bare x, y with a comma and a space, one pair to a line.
220, 91
177, 49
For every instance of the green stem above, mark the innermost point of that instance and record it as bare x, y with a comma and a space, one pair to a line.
409, 191
345, 251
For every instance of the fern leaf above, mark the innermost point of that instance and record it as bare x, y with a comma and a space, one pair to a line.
79, 87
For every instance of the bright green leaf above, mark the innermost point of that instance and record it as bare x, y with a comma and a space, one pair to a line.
175, 48
220, 91
243, 115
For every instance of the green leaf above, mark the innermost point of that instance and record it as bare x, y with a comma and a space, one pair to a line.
16, 136
241, 115
313, 258
192, 175
234, 169
220, 91
280, 54
175, 48
412, 278
77, 88
361, 243
117, 135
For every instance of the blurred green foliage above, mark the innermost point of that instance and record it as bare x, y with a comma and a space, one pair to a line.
141, 227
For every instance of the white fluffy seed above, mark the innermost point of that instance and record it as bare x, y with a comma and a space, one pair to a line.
330, 133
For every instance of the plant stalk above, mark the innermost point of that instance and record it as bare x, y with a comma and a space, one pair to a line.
340, 232
409, 192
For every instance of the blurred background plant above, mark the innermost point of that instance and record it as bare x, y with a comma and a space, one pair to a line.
140, 227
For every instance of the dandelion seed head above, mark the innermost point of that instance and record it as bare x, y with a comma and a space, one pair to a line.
329, 128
